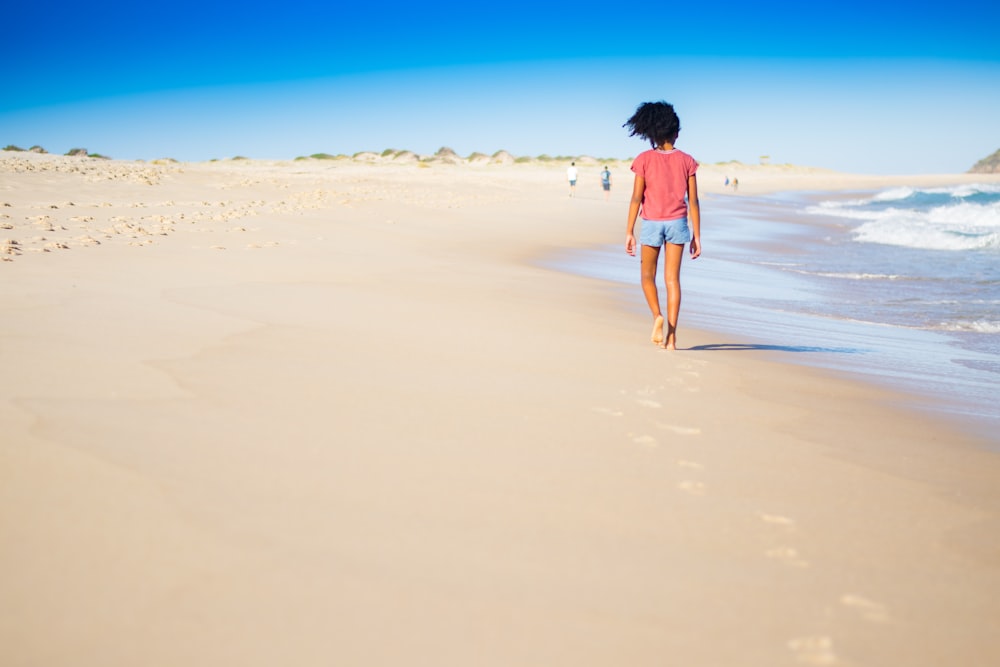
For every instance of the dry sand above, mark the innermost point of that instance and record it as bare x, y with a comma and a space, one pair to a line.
324, 413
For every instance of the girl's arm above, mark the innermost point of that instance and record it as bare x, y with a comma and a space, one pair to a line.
694, 216
638, 189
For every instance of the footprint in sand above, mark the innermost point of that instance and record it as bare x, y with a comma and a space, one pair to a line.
816, 650
788, 556
611, 412
776, 520
680, 430
645, 398
647, 441
690, 465
692, 487
684, 383
867, 609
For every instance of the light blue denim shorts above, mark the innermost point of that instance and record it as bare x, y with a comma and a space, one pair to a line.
657, 232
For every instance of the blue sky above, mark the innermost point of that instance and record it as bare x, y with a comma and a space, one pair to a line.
871, 87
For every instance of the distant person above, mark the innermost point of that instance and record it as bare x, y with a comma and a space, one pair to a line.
726, 184
571, 175
736, 184
606, 183
665, 192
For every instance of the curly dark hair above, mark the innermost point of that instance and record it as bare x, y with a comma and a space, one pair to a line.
655, 121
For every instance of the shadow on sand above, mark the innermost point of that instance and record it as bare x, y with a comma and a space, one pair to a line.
736, 347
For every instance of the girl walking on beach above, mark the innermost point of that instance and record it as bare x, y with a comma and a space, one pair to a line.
665, 193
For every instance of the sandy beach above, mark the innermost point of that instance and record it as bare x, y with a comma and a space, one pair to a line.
332, 412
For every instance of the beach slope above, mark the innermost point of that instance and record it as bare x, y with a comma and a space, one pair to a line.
320, 413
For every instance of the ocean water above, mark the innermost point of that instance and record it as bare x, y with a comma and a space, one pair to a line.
899, 287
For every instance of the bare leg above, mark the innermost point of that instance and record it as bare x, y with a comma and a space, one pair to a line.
672, 278
650, 257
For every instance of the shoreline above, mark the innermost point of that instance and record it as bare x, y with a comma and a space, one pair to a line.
769, 319
347, 416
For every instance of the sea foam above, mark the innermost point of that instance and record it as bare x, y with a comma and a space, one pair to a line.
965, 217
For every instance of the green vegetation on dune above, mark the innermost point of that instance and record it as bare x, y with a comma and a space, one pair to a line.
558, 158
988, 165
34, 149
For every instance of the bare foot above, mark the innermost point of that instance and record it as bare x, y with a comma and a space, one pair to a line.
670, 342
657, 336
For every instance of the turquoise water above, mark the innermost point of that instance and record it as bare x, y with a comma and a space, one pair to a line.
900, 288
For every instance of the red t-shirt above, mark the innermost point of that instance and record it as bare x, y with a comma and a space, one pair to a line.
666, 174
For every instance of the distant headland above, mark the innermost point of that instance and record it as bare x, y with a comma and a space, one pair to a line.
988, 165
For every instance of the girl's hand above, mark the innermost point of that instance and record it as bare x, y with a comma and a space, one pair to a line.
630, 244
695, 248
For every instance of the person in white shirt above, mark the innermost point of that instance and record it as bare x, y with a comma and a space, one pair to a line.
571, 176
